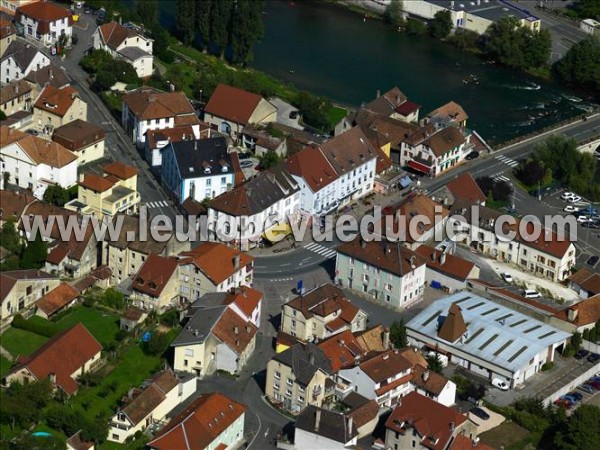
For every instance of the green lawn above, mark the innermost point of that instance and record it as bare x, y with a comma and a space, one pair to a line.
21, 342
4, 365
335, 114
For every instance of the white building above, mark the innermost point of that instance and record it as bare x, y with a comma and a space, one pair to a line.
149, 109
47, 22
487, 338
19, 59
590, 26
387, 272
200, 169
318, 428
34, 163
263, 205
127, 44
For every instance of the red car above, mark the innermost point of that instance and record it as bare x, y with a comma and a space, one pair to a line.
563, 403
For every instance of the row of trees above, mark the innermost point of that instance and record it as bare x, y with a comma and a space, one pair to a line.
557, 159
31, 255
107, 70
580, 67
226, 28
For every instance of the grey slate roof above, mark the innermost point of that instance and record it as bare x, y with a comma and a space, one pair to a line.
133, 53
208, 300
193, 157
199, 326
298, 358
52, 74
22, 52
332, 425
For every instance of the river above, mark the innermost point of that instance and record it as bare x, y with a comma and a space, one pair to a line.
331, 51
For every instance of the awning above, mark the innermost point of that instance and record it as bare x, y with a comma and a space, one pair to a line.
277, 232
419, 167
405, 182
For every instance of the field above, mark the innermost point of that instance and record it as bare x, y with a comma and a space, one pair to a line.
508, 435
21, 342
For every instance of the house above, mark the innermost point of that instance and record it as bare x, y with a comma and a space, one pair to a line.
486, 337
463, 187
449, 113
15, 97
57, 107
580, 316
230, 109
214, 338
49, 75
125, 257
150, 109
585, 282
21, 58
213, 267
435, 148
21, 289
324, 429
298, 377
445, 270
261, 142
14, 204
84, 139
212, 421
109, 195
343, 350
126, 44
63, 358
385, 271
100, 277
550, 256
590, 26
46, 22
150, 404
7, 34
34, 163
419, 422
462, 442
321, 313
262, 207
76, 442
200, 169
364, 413
157, 140
131, 318
8, 8
58, 299
244, 301
156, 285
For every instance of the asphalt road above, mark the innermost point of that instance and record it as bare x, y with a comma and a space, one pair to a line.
118, 145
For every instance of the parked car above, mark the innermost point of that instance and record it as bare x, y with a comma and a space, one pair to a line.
576, 395
572, 398
584, 219
574, 199
507, 277
33, 132
480, 413
594, 384
246, 164
259, 168
593, 358
472, 155
500, 384
293, 114
581, 354
567, 195
563, 403
593, 260
571, 209
244, 155
587, 388
530, 293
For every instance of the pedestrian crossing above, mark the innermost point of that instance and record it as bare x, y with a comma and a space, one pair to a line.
320, 250
508, 161
499, 177
159, 204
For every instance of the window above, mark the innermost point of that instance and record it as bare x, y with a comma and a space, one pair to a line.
189, 352
185, 362
288, 392
300, 399
293, 324
289, 382
277, 375
276, 386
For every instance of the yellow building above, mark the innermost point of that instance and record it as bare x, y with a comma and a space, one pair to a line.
108, 195
57, 107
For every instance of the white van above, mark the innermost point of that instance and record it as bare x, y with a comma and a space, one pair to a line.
531, 293
443, 358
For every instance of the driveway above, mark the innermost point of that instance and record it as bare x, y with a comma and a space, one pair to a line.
486, 425
283, 113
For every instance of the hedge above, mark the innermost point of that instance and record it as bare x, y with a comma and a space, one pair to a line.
43, 329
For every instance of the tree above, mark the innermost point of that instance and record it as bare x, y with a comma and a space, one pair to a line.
537, 47
313, 109
393, 13
501, 191
2, 115
104, 81
56, 195
434, 363
441, 25
147, 10
580, 431
248, 28
576, 340
464, 39
6, 179
96, 60
531, 172
113, 298
10, 237
587, 9
580, 67
161, 39
221, 14
415, 27
398, 334
35, 253
185, 13
124, 72
269, 160
157, 344
203, 13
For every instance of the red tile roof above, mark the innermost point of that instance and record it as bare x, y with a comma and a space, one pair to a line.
148, 103
453, 266
10, 278
586, 312
113, 34
343, 350
176, 134
430, 419
216, 260
120, 170
57, 298
57, 101
407, 108
154, 274
6, 28
313, 167
197, 426
63, 355
96, 182
234, 331
232, 103
462, 442
381, 367
43, 12
41, 151
323, 301
465, 187
245, 298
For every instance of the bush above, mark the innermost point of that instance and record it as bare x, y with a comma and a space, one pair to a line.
157, 345
47, 329
104, 81
415, 27
547, 366
170, 318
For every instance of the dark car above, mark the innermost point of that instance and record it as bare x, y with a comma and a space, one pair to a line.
33, 132
587, 388
246, 164
243, 155
575, 395
293, 114
593, 358
593, 260
480, 413
581, 354
472, 155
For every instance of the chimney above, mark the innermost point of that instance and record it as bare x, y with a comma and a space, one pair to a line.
572, 314
236, 330
363, 243
386, 338
452, 427
50, 74
248, 328
350, 423
433, 256
81, 177
52, 377
17, 88
442, 259
236, 262
426, 375
341, 342
475, 441
317, 420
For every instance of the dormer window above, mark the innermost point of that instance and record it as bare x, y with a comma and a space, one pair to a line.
225, 168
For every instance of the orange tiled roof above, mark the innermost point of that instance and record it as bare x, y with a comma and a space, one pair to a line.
381, 367
39, 150
148, 103
462, 442
343, 350
56, 101
587, 312
452, 266
313, 167
233, 331
232, 103
96, 182
120, 170
245, 298
154, 274
465, 187
57, 298
113, 34
216, 260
